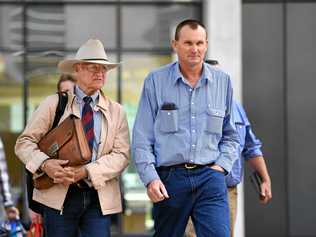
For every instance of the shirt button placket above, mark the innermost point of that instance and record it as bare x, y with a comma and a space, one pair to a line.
193, 127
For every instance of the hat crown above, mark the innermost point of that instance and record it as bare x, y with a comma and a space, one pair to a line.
92, 49
90, 52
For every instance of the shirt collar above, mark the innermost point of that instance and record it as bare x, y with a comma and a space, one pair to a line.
205, 76
177, 74
80, 95
207, 72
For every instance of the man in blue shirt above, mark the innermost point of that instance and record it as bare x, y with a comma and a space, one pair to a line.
184, 139
250, 151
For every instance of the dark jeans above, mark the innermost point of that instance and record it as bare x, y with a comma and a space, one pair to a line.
200, 193
81, 216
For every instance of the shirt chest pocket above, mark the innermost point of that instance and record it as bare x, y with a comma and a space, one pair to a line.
169, 121
214, 120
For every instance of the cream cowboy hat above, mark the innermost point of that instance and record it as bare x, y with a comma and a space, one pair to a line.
90, 52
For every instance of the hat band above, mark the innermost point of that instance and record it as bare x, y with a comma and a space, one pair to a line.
94, 59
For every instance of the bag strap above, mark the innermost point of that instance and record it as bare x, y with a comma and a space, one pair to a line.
60, 109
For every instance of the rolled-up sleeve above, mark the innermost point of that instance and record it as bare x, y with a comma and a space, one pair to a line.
143, 134
252, 146
230, 140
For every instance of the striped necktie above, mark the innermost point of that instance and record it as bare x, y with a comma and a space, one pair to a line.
87, 121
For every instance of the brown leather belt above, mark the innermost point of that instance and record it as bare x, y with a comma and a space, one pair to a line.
187, 166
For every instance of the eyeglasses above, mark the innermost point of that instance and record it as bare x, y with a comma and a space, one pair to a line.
95, 68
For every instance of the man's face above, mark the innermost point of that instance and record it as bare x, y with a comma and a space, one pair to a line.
191, 46
90, 77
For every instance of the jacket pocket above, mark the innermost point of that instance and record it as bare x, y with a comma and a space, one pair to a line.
214, 123
169, 121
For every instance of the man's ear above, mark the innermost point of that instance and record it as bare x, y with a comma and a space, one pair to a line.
174, 45
76, 67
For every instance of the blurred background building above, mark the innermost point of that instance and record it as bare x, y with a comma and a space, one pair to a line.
267, 46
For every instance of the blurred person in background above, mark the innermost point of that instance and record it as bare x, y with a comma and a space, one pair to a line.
10, 210
184, 139
249, 150
66, 83
82, 198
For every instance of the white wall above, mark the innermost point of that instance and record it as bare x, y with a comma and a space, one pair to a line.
223, 22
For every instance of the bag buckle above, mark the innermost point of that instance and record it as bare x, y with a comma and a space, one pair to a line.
52, 150
190, 166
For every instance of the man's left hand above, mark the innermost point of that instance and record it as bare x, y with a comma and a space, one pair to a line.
266, 193
12, 213
79, 171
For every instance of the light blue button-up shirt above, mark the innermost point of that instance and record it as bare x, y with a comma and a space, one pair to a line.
199, 130
249, 147
96, 117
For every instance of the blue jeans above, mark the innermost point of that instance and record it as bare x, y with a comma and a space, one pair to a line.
81, 216
200, 193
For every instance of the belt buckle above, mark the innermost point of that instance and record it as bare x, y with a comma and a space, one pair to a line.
190, 166
81, 184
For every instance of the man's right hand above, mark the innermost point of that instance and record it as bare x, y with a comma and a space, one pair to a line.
55, 170
156, 191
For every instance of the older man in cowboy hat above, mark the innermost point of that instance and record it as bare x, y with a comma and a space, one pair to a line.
83, 197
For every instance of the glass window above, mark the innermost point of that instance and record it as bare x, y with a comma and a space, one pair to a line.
56, 26
96, 21
11, 27
93, 0
43, 76
157, 30
11, 114
136, 67
46, 26
11, 84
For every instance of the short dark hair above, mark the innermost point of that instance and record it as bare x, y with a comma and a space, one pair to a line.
192, 23
212, 62
64, 77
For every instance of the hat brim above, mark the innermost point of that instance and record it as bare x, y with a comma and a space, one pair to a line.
66, 66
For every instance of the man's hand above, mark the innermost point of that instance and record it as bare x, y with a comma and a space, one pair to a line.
156, 191
55, 170
258, 164
218, 168
12, 213
80, 172
266, 193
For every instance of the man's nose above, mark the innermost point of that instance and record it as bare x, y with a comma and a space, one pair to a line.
194, 48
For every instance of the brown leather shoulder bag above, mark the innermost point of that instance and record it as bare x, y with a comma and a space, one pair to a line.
66, 142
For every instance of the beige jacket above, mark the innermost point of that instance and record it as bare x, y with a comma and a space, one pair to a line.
112, 158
